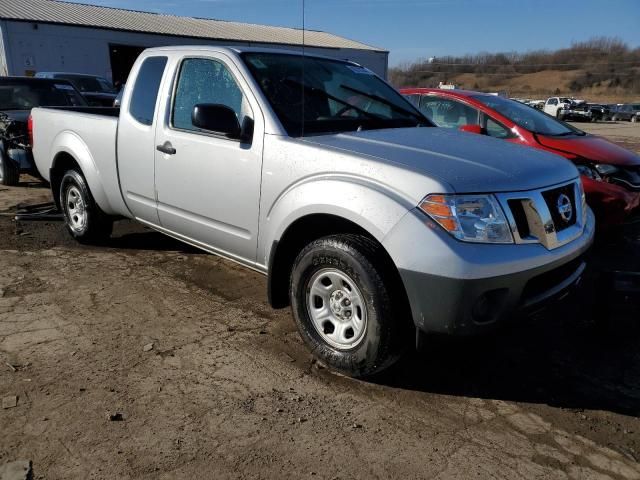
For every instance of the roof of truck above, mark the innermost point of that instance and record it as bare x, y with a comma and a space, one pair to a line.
78, 14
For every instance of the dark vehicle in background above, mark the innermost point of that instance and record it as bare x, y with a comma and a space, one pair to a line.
18, 95
584, 112
612, 110
629, 112
98, 91
610, 174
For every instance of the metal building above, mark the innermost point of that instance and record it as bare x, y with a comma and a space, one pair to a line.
50, 35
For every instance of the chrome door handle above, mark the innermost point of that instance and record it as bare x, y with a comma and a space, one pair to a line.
166, 148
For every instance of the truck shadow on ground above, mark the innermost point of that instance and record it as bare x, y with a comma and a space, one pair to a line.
580, 354
567, 363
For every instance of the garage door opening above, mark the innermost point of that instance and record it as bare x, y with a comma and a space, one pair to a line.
122, 59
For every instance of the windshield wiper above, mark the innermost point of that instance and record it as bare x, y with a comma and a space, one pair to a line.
335, 99
380, 99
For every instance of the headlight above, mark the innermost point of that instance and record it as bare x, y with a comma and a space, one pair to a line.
589, 172
470, 218
596, 171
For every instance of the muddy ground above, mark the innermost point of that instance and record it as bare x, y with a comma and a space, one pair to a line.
229, 391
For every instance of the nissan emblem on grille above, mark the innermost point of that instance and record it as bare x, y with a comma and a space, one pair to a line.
565, 209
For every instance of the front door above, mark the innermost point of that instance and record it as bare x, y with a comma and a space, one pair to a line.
208, 186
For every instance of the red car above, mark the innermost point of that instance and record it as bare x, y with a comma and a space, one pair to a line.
610, 174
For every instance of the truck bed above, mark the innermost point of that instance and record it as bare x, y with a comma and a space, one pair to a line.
92, 131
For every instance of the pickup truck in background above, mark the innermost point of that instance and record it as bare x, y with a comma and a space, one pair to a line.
376, 228
555, 105
18, 95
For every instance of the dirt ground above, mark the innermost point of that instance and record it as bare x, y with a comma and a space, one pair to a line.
146, 358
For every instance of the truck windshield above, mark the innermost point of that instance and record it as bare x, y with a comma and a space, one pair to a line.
313, 96
528, 117
26, 94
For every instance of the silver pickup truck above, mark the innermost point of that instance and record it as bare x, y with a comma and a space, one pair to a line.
372, 224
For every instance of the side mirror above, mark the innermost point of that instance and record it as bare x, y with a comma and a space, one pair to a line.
477, 129
217, 119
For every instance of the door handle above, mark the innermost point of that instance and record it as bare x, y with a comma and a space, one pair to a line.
166, 148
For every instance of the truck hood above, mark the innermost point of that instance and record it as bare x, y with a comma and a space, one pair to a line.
468, 163
591, 147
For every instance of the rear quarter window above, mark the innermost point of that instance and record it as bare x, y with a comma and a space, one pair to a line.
142, 106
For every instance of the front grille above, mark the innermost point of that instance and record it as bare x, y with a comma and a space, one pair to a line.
535, 216
520, 217
552, 197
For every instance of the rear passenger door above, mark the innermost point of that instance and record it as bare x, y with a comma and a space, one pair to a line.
136, 139
209, 187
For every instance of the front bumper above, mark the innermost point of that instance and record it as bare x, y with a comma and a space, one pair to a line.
464, 288
612, 204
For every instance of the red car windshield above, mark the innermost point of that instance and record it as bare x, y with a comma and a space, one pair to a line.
527, 117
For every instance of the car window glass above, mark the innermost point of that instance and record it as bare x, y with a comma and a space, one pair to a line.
494, 129
448, 113
204, 80
145, 91
414, 98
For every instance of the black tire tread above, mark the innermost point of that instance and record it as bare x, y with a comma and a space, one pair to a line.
99, 224
11, 174
369, 255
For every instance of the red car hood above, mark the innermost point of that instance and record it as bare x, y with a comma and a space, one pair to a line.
592, 148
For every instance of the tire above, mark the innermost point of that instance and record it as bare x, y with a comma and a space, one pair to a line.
349, 273
559, 114
85, 221
9, 171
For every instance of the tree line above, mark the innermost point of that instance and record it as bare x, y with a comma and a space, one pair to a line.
603, 61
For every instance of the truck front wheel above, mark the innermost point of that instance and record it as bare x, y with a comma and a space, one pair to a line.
86, 222
343, 307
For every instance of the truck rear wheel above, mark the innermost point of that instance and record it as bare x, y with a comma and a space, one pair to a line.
343, 307
86, 222
9, 172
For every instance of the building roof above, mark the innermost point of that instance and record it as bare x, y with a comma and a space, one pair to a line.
58, 12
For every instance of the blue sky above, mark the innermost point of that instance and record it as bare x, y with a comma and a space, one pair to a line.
413, 29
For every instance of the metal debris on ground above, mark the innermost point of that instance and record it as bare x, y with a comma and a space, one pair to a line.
10, 401
18, 470
38, 212
148, 347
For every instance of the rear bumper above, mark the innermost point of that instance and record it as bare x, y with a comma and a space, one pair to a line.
464, 288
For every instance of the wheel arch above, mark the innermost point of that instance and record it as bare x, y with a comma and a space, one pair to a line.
72, 152
303, 231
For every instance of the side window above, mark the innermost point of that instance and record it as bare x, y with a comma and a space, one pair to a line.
145, 91
495, 129
205, 80
448, 113
414, 98
553, 101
